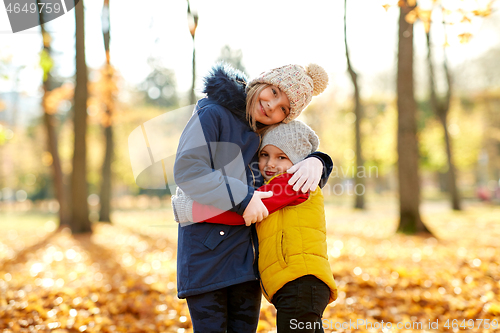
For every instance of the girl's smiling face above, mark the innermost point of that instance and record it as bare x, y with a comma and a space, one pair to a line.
273, 161
272, 106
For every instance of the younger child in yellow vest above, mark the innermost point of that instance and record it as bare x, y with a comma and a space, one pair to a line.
293, 261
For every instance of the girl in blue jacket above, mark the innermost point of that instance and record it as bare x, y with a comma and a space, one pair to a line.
217, 269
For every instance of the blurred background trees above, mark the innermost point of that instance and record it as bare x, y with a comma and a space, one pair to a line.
444, 120
232, 57
432, 110
49, 106
160, 87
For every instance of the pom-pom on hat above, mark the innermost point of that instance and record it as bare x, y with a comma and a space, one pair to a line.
295, 139
298, 83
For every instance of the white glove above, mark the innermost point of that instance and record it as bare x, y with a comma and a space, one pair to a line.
182, 205
306, 174
256, 211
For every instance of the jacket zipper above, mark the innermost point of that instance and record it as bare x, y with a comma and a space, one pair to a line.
253, 181
253, 176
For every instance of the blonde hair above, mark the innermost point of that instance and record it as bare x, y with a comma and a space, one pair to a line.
251, 102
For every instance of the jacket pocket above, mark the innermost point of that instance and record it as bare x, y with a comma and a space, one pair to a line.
279, 249
216, 235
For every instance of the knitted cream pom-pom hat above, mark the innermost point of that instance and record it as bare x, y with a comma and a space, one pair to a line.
299, 84
295, 139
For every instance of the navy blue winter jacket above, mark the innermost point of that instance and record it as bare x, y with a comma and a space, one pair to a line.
216, 164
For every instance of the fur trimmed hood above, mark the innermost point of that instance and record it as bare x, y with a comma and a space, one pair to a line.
226, 86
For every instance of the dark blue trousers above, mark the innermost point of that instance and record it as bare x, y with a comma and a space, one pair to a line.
234, 309
300, 304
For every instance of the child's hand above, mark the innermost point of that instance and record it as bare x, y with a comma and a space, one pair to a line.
307, 174
256, 211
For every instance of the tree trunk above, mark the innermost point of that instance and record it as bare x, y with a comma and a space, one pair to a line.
440, 109
106, 187
452, 180
409, 183
192, 95
80, 213
192, 24
358, 111
52, 145
105, 197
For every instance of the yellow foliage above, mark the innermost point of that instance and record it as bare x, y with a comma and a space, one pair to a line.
494, 309
466, 19
264, 326
483, 12
462, 11
380, 277
47, 39
412, 16
46, 158
427, 26
103, 95
465, 37
54, 98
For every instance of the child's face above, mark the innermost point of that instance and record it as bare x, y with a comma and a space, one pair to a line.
273, 161
272, 106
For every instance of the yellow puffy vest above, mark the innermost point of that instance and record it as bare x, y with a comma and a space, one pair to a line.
292, 243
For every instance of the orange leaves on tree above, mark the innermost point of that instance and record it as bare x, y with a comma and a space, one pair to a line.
451, 17
47, 158
483, 12
423, 15
55, 97
466, 19
103, 93
465, 37
47, 39
412, 16
192, 20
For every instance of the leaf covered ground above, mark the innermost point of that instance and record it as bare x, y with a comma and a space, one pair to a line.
122, 277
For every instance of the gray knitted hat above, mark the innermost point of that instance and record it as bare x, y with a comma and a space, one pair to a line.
295, 139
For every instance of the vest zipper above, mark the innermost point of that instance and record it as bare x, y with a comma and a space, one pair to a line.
263, 289
253, 247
